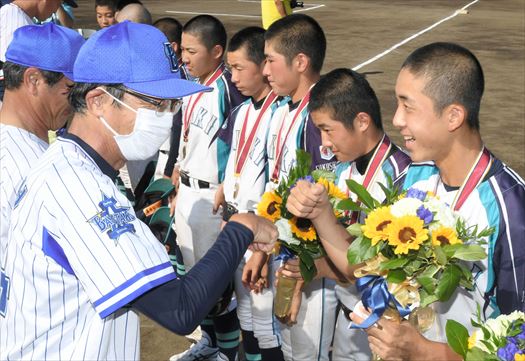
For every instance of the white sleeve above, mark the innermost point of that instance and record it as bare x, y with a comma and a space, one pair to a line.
10, 20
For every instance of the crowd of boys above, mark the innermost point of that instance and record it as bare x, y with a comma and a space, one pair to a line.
223, 119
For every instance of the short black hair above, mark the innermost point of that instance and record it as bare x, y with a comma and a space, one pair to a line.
208, 29
454, 76
77, 94
171, 27
112, 4
345, 93
14, 75
252, 39
298, 33
122, 3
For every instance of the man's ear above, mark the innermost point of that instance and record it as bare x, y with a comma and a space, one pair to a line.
455, 115
362, 122
217, 52
32, 79
176, 48
301, 62
95, 101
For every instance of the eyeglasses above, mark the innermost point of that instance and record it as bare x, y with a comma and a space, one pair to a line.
161, 105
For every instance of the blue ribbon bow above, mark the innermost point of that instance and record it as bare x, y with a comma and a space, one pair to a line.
377, 298
284, 254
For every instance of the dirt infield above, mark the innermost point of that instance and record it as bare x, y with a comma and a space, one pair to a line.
358, 30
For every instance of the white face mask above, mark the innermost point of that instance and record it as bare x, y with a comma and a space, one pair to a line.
150, 131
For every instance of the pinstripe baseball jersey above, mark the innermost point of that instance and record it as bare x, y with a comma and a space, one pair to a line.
498, 201
204, 155
245, 189
11, 18
19, 151
290, 131
76, 256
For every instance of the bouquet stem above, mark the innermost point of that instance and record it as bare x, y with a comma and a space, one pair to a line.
283, 296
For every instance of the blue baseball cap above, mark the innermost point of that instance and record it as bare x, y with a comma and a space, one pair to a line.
136, 55
47, 47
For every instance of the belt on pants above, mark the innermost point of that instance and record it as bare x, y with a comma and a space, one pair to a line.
193, 182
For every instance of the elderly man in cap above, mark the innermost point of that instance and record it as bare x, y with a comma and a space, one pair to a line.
37, 79
79, 265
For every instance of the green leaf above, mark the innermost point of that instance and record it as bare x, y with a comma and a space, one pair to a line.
457, 337
355, 230
426, 299
393, 263
428, 284
441, 257
307, 273
350, 205
430, 271
307, 260
450, 249
472, 252
448, 282
412, 267
328, 175
396, 276
357, 250
362, 194
476, 354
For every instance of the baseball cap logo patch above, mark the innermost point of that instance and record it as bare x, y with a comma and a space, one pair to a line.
170, 54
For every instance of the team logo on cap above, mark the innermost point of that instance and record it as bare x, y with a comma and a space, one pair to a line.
113, 219
172, 57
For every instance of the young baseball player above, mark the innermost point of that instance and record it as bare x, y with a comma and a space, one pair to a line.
346, 110
79, 265
295, 48
105, 10
439, 90
245, 179
201, 163
35, 102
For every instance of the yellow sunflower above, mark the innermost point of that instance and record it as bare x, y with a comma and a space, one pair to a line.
303, 228
472, 340
443, 236
519, 357
270, 206
376, 224
332, 189
406, 233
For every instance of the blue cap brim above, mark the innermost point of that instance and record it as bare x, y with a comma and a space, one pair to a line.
168, 88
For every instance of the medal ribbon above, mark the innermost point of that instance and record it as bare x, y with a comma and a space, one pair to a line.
187, 115
244, 147
379, 156
474, 178
280, 146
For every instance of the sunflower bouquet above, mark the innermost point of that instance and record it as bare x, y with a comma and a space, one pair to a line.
297, 236
498, 339
411, 249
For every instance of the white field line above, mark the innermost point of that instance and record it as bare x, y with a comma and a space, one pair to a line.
392, 48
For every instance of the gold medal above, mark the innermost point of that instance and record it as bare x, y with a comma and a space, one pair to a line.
236, 189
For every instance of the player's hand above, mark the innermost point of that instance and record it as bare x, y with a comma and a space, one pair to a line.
390, 340
262, 282
175, 177
307, 200
251, 272
219, 198
290, 269
265, 233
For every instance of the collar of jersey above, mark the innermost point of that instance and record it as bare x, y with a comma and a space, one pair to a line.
102, 164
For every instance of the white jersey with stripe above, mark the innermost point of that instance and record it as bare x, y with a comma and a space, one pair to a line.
19, 151
76, 257
206, 154
499, 202
11, 18
303, 135
253, 178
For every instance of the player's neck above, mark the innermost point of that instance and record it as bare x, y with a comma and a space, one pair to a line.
24, 117
26, 7
305, 83
261, 93
203, 78
93, 132
455, 166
